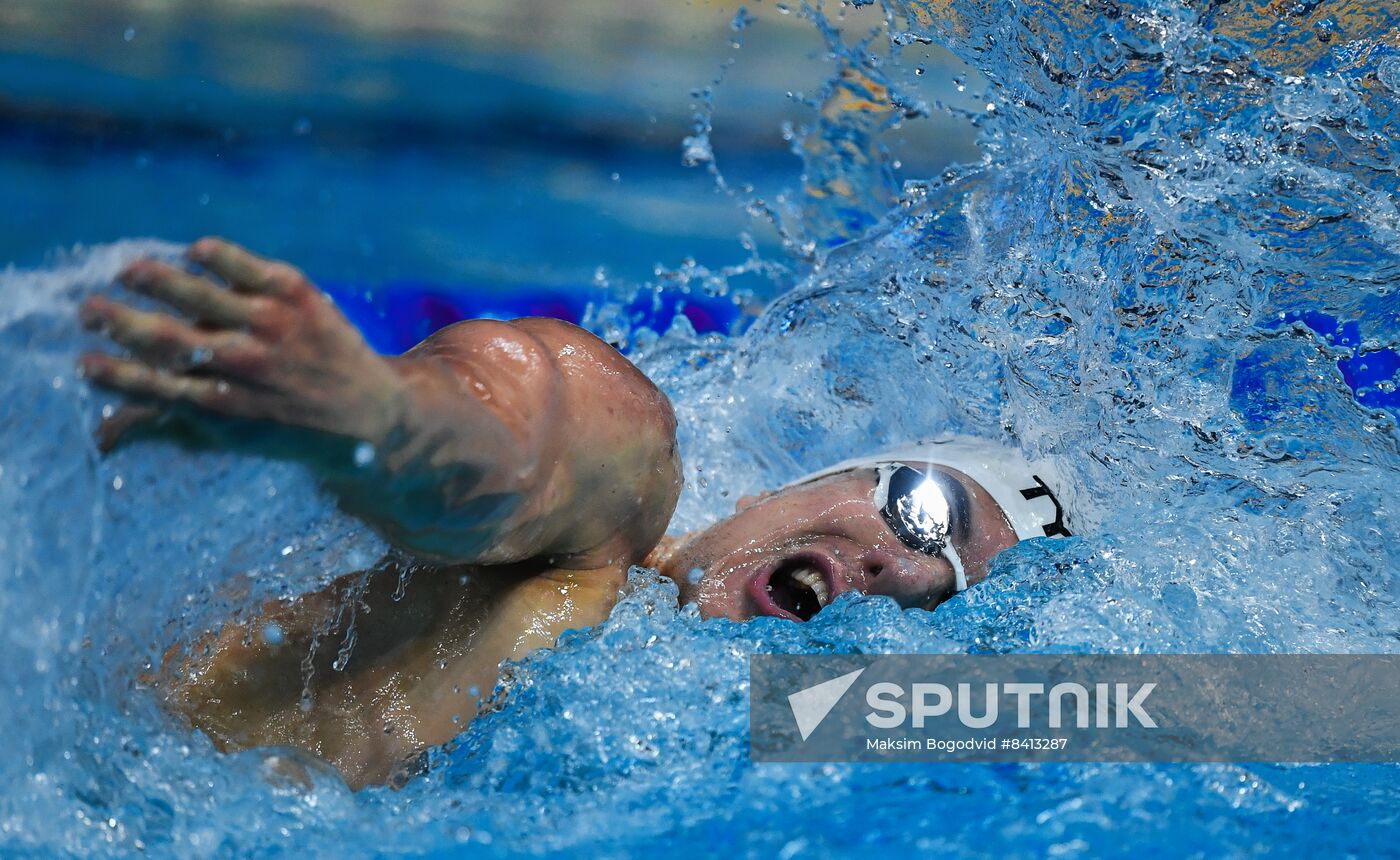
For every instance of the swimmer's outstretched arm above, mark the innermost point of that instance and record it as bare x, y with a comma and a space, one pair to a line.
488, 443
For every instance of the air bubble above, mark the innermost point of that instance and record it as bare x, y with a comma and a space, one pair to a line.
1388, 73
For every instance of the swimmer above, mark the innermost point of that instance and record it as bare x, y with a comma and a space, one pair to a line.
520, 469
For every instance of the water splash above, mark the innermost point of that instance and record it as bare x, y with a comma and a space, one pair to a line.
1137, 281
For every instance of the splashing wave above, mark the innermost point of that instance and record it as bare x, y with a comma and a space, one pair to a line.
1174, 271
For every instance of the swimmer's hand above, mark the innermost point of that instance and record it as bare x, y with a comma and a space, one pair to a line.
267, 346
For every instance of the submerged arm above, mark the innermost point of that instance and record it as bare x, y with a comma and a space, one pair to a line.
367, 673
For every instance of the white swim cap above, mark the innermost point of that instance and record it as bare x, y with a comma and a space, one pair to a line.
1027, 493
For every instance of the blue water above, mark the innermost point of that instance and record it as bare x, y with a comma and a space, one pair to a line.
1166, 273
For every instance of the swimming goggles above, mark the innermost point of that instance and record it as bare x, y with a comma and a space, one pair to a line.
917, 507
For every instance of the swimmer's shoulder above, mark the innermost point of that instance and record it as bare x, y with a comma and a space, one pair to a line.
580, 356
578, 350
632, 420
617, 433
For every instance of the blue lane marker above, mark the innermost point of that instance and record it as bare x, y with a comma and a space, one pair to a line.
396, 316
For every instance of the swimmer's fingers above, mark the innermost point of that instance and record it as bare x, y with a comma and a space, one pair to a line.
164, 340
128, 418
189, 294
142, 380
245, 271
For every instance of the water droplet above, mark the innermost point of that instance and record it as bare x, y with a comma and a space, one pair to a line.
129, 34
696, 150
364, 454
118, 483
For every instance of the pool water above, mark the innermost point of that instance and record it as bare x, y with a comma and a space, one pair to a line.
1172, 270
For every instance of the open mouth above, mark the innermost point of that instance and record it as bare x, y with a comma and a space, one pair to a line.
796, 589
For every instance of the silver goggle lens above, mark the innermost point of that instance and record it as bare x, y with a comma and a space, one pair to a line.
918, 512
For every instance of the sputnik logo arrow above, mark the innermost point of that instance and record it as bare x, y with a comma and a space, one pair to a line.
811, 705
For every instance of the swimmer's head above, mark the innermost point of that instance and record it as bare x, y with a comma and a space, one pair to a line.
916, 524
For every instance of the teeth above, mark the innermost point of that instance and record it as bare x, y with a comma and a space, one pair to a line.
814, 581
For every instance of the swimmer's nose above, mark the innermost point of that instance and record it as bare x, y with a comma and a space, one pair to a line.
908, 582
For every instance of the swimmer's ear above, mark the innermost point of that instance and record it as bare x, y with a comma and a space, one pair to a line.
746, 502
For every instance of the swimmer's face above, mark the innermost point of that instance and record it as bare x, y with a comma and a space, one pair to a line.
789, 553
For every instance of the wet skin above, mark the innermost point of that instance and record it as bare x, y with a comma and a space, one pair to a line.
521, 467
